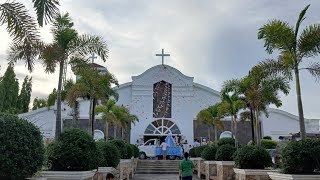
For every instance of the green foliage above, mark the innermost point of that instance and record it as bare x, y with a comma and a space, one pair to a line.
135, 150
75, 150
198, 150
110, 154
121, 146
252, 157
226, 140
130, 151
9, 90
52, 98
268, 144
267, 137
39, 103
192, 152
301, 157
225, 152
21, 150
25, 95
209, 152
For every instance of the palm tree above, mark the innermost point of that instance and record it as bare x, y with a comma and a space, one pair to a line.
67, 44
294, 48
211, 117
92, 85
258, 91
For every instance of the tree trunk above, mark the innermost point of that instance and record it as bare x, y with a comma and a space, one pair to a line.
58, 113
258, 128
122, 133
93, 118
90, 116
114, 132
300, 107
215, 135
106, 130
235, 132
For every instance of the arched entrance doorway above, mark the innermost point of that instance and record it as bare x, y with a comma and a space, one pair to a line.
160, 128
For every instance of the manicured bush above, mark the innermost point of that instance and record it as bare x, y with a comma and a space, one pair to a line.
129, 151
268, 144
267, 137
75, 150
198, 150
301, 157
252, 157
121, 146
21, 148
226, 140
209, 153
110, 154
192, 152
225, 153
135, 150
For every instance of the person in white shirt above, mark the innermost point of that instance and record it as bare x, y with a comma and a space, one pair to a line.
196, 143
164, 147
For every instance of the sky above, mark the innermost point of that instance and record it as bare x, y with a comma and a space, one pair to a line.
212, 41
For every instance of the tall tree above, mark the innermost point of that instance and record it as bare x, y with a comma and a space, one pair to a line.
211, 117
9, 91
294, 49
66, 45
25, 95
39, 103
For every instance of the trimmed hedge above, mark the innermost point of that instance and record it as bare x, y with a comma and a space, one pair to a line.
267, 137
198, 150
130, 152
301, 157
192, 152
75, 150
135, 150
252, 157
209, 153
21, 149
268, 144
110, 154
225, 153
226, 140
121, 146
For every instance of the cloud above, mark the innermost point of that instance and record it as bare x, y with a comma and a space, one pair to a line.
211, 40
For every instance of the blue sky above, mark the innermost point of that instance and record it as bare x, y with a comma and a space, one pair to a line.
212, 41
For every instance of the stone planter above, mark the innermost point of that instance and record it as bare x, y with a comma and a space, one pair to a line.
37, 178
197, 162
202, 169
210, 169
252, 174
279, 176
68, 175
105, 170
225, 170
125, 168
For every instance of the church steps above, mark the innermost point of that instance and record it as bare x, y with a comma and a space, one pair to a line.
158, 167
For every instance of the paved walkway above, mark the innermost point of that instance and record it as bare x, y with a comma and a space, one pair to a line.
158, 177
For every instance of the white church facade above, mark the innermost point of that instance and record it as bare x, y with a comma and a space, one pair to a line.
167, 101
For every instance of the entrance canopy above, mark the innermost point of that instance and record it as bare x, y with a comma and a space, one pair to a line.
162, 127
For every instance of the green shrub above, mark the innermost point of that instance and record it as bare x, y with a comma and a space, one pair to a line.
267, 137
301, 157
252, 157
209, 153
268, 144
226, 140
225, 153
21, 149
75, 150
198, 150
129, 151
135, 150
110, 154
192, 152
121, 146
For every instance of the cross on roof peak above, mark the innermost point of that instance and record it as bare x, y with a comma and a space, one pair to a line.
162, 56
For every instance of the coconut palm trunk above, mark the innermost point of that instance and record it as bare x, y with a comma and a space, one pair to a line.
58, 113
258, 134
300, 108
90, 117
235, 132
114, 132
215, 134
106, 130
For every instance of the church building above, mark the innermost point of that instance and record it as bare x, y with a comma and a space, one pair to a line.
167, 102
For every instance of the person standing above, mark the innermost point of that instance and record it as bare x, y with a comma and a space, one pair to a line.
185, 168
164, 147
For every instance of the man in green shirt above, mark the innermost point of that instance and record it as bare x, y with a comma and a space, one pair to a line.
185, 168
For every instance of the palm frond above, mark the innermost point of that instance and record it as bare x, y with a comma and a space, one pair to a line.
275, 68
50, 55
46, 10
314, 70
277, 35
245, 116
88, 44
300, 19
20, 25
309, 41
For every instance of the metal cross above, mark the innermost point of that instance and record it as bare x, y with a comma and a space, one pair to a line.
92, 57
162, 55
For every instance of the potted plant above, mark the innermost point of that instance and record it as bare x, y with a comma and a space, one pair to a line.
300, 161
251, 162
224, 161
209, 167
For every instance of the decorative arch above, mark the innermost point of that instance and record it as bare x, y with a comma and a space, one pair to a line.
98, 134
225, 134
162, 127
